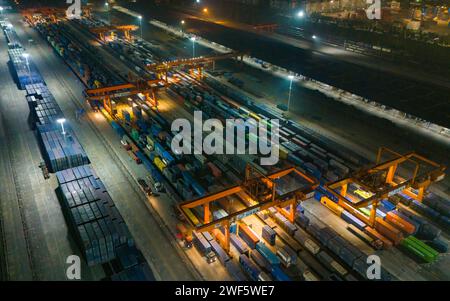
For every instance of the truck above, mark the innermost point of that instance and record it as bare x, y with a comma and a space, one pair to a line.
203, 246
287, 256
185, 235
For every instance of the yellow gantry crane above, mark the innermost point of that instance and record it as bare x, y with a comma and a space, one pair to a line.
409, 173
258, 192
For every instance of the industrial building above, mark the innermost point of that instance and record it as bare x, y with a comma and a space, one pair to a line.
92, 165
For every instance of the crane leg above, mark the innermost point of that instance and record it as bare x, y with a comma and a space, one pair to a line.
227, 238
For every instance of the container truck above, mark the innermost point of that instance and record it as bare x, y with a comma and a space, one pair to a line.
203, 246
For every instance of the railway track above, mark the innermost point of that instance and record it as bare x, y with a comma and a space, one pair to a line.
12, 161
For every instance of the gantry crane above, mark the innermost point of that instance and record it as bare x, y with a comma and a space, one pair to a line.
126, 29
196, 63
409, 173
145, 87
53, 13
258, 192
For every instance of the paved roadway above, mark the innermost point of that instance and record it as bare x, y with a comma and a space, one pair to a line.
154, 236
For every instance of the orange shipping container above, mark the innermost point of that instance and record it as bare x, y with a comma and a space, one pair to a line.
387, 244
388, 230
249, 233
400, 223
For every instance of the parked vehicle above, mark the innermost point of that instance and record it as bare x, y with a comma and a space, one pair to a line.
145, 187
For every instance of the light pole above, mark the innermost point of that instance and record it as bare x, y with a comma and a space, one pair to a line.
193, 46
140, 24
61, 122
109, 13
1, 11
291, 78
182, 25
26, 56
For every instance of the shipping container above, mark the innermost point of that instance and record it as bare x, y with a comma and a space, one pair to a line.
239, 244
248, 235
252, 270
267, 254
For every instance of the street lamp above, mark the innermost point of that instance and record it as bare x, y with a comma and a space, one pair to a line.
291, 78
26, 56
193, 46
182, 23
61, 122
314, 37
109, 13
140, 24
301, 14
1, 10
205, 10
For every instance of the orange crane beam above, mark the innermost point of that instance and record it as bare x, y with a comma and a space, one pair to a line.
382, 181
260, 199
145, 87
126, 29
194, 63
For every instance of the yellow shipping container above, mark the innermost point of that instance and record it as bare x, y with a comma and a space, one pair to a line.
283, 152
160, 164
335, 208
254, 116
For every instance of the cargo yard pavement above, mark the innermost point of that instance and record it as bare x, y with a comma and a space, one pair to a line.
103, 147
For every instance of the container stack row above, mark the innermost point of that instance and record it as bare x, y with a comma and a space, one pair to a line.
43, 106
92, 215
61, 150
25, 72
90, 212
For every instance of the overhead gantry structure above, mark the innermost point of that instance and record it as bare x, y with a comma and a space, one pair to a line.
409, 173
52, 13
126, 29
145, 87
196, 63
258, 192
